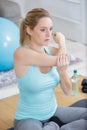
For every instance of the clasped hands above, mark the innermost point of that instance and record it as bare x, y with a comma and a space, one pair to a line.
63, 58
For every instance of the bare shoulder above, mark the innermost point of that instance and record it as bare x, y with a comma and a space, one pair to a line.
54, 50
19, 63
21, 52
18, 51
23, 55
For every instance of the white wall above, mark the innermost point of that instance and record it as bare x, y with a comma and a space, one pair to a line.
69, 16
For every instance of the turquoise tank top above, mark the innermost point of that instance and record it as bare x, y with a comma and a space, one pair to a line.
37, 98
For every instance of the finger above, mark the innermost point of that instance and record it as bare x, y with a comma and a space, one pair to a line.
61, 59
67, 60
64, 59
58, 61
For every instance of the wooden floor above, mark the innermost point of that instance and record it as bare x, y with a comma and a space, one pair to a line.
7, 110
8, 106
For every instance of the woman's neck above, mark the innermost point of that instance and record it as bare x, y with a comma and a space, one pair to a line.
37, 48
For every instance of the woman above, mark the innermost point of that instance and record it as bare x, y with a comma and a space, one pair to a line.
39, 69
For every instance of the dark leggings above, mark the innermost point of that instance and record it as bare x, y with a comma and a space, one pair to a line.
76, 119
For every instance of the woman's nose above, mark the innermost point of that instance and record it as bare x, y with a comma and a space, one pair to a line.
48, 33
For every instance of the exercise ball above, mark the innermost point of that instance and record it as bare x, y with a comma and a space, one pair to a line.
9, 41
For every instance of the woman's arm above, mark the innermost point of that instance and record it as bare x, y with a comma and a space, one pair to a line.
66, 84
26, 56
62, 62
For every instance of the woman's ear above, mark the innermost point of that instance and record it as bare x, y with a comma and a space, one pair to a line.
28, 31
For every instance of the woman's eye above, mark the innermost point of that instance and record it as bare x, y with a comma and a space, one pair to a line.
42, 30
51, 29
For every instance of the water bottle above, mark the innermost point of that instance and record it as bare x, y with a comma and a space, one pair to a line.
75, 83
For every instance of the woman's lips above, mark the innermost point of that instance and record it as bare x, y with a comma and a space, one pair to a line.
47, 40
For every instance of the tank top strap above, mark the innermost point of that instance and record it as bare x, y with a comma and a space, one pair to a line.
48, 50
26, 46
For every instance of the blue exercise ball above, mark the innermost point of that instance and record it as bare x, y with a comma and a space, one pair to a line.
9, 41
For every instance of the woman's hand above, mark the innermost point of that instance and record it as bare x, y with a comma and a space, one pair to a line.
63, 61
59, 38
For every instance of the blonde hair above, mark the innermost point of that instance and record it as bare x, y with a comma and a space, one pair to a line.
31, 20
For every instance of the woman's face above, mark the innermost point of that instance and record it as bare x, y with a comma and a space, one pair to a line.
42, 32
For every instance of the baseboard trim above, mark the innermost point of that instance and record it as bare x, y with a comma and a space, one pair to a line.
9, 91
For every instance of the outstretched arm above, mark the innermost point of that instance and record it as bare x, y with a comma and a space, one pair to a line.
26, 57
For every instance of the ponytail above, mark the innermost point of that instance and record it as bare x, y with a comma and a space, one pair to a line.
23, 33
